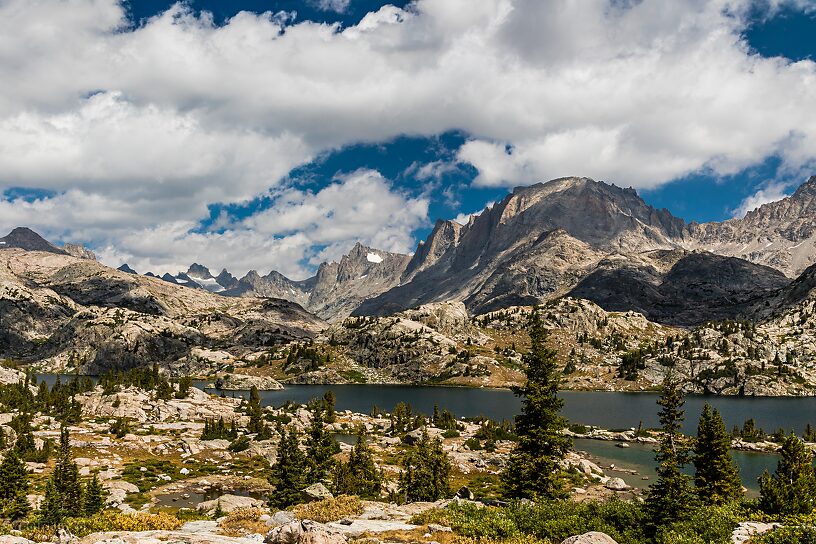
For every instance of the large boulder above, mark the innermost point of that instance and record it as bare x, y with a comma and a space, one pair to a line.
229, 503
303, 532
316, 492
593, 537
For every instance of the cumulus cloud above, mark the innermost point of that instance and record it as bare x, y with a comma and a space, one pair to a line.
337, 6
300, 228
138, 128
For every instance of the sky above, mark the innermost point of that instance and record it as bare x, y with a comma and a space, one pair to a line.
275, 134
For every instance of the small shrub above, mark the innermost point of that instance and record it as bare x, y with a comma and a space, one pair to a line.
242, 522
330, 509
116, 521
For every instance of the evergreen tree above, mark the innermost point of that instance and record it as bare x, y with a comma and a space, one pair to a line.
14, 486
792, 488
94, 499
255, 412
670, 498
426, 471
359, 476
533, 470
320, 446
329, 402
288, 474
716, 476
51, 512
64, 486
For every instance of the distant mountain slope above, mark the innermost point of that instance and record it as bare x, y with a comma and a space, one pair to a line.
575, 233
780, 234
77, 313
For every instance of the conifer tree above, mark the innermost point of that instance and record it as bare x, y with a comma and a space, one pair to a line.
63, 485
94, 499
792, 488
288, 474
426, 471
320, 446
51, 512
329, 402
716, 477
14, 485
359, 476
670, 498
255, 412
533, 470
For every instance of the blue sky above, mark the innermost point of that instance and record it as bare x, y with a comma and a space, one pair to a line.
276, 133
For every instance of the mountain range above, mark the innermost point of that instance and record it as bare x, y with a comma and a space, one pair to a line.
453, 311
571, 236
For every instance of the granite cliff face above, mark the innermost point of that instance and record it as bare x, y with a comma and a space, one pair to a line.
594, 240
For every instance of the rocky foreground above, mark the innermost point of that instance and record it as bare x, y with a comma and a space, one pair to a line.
160, 465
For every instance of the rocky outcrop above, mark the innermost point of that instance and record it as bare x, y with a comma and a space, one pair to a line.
593, 537
138, 405
80, 252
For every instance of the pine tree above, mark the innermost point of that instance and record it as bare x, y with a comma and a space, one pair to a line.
792, 488
51, 512
329, 402
716, 476
533, 470
288, 474
320, 446
255, 412
94, 499
670, 498
14, 485
64, 486
359, 476
426, 471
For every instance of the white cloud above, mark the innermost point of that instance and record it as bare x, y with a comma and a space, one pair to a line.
140, 128
362, 206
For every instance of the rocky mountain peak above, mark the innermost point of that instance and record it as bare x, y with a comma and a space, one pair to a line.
27, 239
226, 279
127, 269
199, 271
807, 189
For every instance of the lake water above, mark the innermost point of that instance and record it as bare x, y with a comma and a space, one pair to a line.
609, 410
640, 457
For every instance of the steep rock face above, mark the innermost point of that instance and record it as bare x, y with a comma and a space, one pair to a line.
608, 244
444, 236
780, 234
362, 273
75, 313
697, 287
536, 243
79, 252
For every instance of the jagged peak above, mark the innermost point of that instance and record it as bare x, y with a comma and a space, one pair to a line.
126, 268
807, 188
199, 271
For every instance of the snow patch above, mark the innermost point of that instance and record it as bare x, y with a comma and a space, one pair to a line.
374, 258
